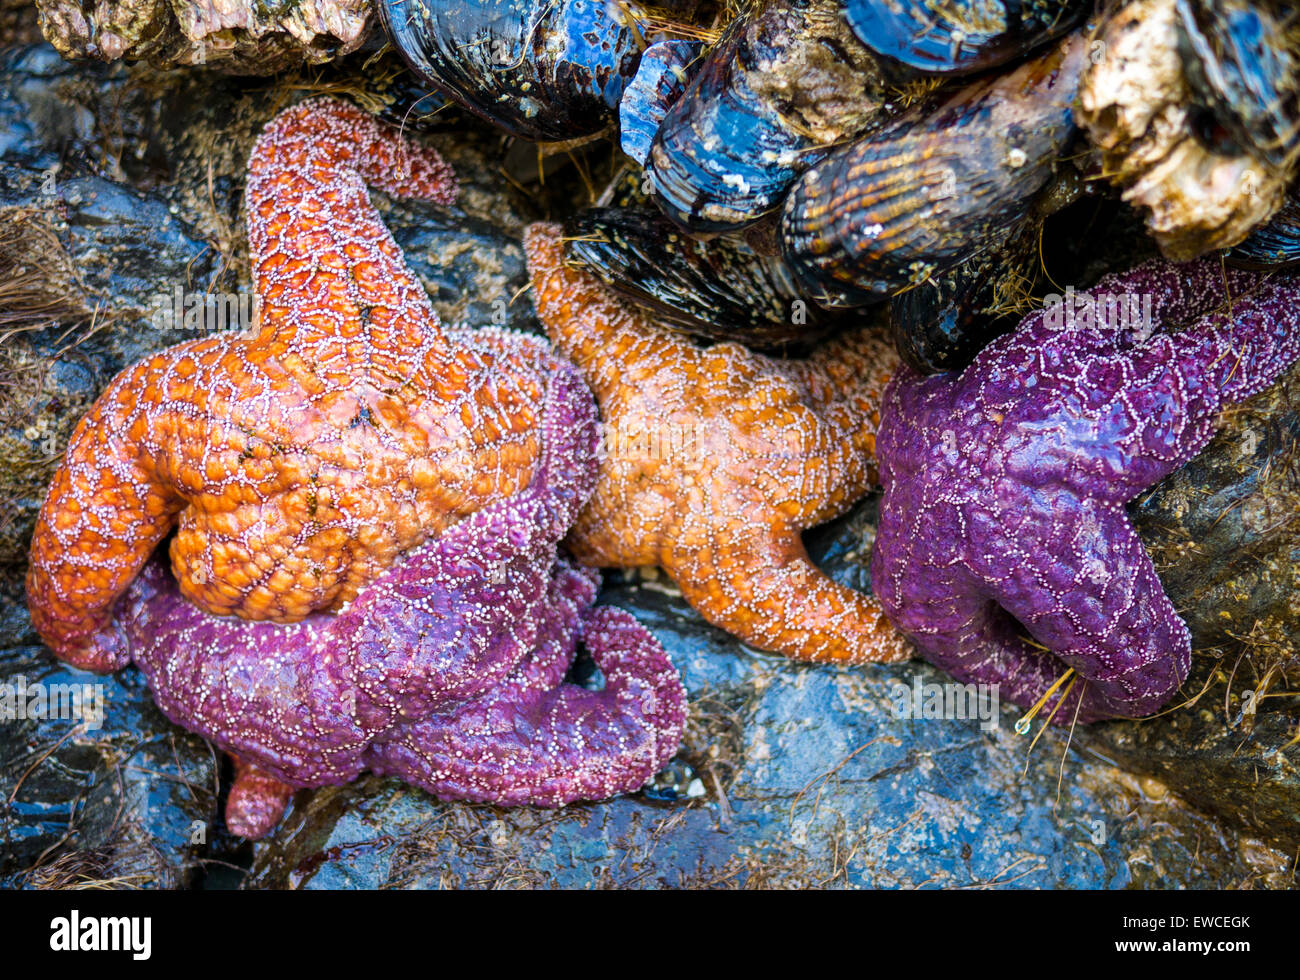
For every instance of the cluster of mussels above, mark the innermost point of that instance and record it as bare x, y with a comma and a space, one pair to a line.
368, 514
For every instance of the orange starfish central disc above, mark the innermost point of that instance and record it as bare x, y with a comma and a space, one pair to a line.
717, 458
299, 461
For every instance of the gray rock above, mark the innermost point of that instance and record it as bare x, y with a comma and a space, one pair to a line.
107, 792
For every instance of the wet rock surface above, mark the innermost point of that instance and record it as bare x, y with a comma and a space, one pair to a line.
791, 775
108, 794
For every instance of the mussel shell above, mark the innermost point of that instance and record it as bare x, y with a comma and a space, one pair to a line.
539, 69
782, 80
661, 78
1242, 61
942, 323
1275, 245
720, 289
898, 206
957, 37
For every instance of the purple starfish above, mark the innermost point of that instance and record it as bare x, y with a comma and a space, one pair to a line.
447, 671
1005, 485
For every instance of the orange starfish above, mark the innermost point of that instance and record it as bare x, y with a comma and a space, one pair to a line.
299, 461
717, 458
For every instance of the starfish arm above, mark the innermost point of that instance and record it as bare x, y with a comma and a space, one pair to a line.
305, 700
272, 694
1174, 387
257, 801
104, 514
1074, 576
318, 246
1241, 349
1178, 294
508, 539
606, 533
840, 387
324, 132
1100, 608
946, 611
456, 616
570, 438
850, 370
988, 648
588, 323
1135, 304
542, 743
441, 625
1131, 405
761, 586
837, 467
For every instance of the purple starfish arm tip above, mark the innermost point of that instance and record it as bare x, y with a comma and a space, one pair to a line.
256, 801
1005, 485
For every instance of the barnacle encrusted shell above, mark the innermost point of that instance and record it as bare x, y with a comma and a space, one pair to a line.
1137, 108
238, 36
1242, 63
